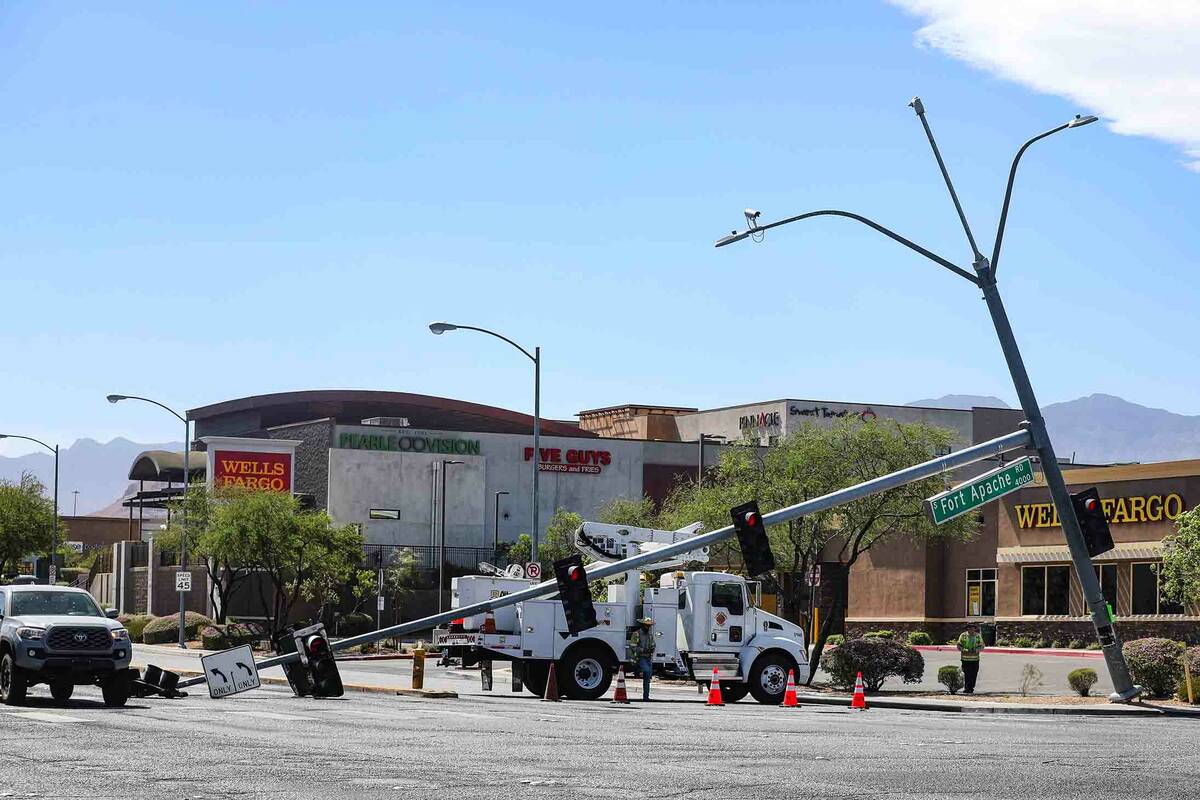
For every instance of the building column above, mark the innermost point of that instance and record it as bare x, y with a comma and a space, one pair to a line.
151, 554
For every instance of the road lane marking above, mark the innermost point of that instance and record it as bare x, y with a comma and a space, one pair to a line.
44, 716
270, 715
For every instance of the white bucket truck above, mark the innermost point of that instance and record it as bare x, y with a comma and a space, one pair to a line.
702, 621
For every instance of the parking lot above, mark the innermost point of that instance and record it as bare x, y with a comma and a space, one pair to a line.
267, 743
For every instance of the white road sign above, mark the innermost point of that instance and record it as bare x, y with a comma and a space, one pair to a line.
230, 671
379, 602
183, 581
533, 570
53, 574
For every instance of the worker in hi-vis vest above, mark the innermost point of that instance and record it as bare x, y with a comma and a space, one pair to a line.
641, 645
970, 645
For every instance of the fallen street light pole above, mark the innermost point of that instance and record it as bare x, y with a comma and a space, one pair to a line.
985, 280
980, 452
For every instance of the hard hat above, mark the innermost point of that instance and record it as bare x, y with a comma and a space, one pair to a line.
646, 620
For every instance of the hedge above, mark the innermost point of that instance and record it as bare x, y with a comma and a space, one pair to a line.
1082, 680
355, 624
919, 638
834, 640
135, 624
951, 677
876, 659
884, 634
164, 630
1155, 663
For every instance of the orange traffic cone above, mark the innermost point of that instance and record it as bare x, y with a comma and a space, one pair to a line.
619, 694
714, 691
551, 686
789, 694
860, 694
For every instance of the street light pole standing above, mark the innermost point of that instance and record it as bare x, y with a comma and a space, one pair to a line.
496, 525
187, 480
985, 279
52, 572
442, 538
536, 357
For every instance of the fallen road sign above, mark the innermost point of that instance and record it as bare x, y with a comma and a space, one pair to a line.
978, 491
230, 671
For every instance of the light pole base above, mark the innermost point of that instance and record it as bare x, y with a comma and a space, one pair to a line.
1126, 696
182, 646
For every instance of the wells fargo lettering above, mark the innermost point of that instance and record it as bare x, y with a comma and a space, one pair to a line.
1119, 510
260, 471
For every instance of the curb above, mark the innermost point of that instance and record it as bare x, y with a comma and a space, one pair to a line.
378, 657
1016, 651
1114, 709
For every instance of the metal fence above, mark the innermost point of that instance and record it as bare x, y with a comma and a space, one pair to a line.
426, 557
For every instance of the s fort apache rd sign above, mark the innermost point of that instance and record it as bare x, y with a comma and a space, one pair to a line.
976, 492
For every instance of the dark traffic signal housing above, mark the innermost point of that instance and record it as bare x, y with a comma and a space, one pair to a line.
752, 536
1089, 510
575, 594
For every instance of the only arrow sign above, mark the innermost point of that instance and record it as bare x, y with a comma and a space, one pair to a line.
222, 674
243, 666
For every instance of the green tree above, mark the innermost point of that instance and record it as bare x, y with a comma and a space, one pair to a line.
26, 519
809, 463
1180, 569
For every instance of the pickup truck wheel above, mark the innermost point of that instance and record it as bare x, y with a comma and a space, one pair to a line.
116, 693
768, 677
13, 684
536, 675
61, 691
732, 691
585, 674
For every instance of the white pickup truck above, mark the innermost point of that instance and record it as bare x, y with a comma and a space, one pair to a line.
702, 621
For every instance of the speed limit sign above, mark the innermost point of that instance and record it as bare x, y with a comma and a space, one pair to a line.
533, 570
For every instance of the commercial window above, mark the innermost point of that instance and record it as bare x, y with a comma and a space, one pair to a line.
1046, 590
1107, 573
1147, 592
981, 593
729, 596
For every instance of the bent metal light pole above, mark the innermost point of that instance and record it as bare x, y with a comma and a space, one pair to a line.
52, 573
536, 357
187, 482
985, 279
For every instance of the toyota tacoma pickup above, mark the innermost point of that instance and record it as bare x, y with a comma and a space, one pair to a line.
58, 636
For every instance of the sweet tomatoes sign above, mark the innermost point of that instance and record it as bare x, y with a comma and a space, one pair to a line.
262, 471
580, 462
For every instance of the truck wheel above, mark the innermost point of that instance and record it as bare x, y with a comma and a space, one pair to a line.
61, 691
768, 677
116, 693
585, 673
12, 682
732, 691
536, 675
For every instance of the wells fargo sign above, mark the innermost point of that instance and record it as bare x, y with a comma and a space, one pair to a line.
1119, 510
263, 471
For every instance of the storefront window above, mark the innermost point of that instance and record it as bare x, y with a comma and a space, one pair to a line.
981, 593
1046, 590
1107, 573
1147, 592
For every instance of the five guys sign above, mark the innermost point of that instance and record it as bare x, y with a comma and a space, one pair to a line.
261, 471
586, 462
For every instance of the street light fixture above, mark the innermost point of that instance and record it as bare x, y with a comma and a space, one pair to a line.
985, 279
52, 572
187, 480
439, 328
442, 539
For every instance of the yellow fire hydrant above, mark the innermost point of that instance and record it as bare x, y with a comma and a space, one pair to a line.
418, 669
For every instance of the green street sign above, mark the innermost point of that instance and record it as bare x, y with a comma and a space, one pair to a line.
984, 489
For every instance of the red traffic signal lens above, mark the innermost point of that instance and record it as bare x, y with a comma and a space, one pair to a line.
316, 645
1091, 504
575, 573
751, 519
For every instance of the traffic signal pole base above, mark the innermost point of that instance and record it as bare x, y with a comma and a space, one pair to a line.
1127, 696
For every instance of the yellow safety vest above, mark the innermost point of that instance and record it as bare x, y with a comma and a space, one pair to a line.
970, 645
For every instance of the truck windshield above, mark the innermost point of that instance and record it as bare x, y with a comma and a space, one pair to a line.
72, 604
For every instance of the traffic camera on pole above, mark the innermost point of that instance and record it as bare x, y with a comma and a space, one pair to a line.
575, 594
752, 536
1089, 510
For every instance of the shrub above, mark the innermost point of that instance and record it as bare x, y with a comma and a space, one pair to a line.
135, 624
1076, 644
1192, 656
1082, 680
919, 637
835, 640
1093, 646
1024, 641
1057, 644
163, 630
1031, 679
1041, 643
951, 677
355, 624
877, 659
237, 634
1155, 664
212, 637
884, 634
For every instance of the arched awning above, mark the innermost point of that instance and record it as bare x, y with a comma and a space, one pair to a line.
167, 466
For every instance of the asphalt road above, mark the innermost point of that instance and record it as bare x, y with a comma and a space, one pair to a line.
266, 743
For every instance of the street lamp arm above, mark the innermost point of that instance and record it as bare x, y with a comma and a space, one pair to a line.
155, 402
528, 355
28, 439
911, 245
1012, 174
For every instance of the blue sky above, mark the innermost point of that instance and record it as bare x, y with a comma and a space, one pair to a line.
209, 201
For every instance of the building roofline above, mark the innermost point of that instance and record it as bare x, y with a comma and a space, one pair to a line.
851, 403
682, 409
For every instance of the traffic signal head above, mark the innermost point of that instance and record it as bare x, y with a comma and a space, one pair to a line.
322, 667
1089, 510
575, 594
752, 536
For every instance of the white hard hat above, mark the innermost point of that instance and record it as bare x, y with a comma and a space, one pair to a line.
646, 620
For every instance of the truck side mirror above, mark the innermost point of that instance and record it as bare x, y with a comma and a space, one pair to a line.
111, 613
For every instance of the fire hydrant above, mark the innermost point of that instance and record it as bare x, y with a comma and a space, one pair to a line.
418, 669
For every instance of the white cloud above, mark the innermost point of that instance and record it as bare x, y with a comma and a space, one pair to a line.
1136, 64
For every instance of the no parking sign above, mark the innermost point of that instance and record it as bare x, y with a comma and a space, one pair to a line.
533, 570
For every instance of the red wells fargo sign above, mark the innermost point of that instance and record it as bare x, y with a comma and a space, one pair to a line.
263, 471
